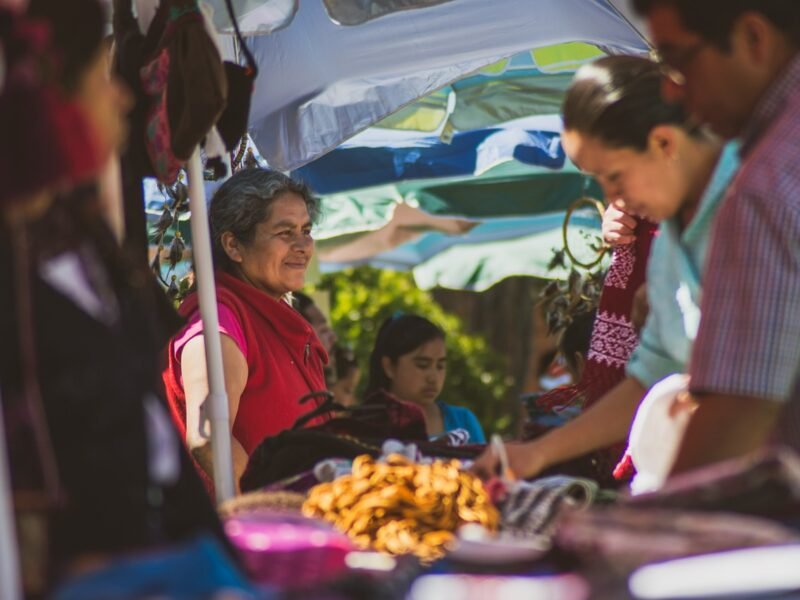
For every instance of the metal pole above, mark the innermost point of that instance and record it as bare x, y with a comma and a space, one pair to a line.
215, 406
10, 585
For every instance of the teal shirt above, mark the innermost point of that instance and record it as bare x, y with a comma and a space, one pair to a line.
458, 417
674, 275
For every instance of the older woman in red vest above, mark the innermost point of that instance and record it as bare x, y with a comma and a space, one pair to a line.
261, 233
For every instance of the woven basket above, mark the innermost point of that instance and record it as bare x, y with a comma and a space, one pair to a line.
261, 501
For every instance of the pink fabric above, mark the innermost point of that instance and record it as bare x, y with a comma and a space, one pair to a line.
228, 324
285, 362
287, 551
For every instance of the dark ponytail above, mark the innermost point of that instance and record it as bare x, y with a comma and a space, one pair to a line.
617, 99
398, 335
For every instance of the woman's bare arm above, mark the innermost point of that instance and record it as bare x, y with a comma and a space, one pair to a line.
195, 384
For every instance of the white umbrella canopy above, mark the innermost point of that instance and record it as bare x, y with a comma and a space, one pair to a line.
255, 17
260, 17
321, 83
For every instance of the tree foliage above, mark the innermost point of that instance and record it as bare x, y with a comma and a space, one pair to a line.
476, 377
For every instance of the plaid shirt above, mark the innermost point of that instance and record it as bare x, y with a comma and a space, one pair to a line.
749, 338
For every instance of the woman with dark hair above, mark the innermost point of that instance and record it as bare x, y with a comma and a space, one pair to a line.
409, 361
348, 374
652, 161
574, 343
315, 317
327, 336
261, 224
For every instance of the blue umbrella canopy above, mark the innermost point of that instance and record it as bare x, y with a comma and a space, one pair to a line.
386, 156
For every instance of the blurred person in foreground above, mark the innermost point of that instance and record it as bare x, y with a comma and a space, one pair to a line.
90, 441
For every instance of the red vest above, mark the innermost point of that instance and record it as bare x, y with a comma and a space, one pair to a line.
285, 361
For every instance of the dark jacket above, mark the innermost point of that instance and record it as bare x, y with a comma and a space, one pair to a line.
95, 374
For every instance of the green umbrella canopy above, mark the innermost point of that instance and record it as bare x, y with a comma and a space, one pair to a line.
509, 189
529, 83
477, 267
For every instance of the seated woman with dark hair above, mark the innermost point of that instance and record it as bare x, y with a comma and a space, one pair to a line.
261, 233
316, 318
348, 374
409, 361
574, 343
327, 336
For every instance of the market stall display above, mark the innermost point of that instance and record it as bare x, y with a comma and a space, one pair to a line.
400, 507
331, 502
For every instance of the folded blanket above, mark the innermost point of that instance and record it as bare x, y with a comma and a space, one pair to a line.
533, 508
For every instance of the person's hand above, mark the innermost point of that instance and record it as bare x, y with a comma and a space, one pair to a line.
683, 403
618, 225
523, 460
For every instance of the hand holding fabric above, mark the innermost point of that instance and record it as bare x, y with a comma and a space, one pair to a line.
618, 225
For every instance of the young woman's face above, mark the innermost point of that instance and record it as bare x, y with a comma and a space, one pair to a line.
651, 183
418, 376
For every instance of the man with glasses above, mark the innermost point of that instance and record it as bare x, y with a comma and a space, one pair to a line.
735, 64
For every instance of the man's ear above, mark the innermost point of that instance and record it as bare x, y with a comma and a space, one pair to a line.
663, 141
231, 246
755, 35
388, 366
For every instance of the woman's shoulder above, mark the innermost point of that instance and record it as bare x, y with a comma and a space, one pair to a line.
453, 408
461, 417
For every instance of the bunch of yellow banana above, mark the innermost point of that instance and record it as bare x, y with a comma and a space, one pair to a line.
400, 507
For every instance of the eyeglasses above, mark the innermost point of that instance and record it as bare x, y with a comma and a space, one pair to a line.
674, 62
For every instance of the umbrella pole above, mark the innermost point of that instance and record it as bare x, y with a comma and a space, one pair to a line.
215, 406
9, 562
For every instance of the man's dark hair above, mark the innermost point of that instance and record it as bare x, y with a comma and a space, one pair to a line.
714, 19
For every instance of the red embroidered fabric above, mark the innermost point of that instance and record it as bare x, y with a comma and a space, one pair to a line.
612, 342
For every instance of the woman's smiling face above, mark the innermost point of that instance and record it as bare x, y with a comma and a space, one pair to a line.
277, 258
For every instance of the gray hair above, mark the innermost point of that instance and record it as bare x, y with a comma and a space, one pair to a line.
244, 201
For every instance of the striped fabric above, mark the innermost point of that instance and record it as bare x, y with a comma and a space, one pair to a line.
749, 337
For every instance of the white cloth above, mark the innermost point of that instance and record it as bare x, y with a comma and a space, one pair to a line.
656, 435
